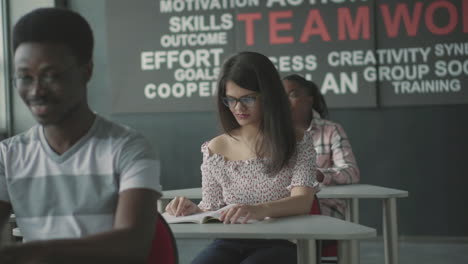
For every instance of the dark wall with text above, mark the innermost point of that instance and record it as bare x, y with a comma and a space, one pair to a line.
361, 53
421, 149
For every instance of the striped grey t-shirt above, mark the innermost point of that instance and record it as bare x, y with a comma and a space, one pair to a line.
73, 194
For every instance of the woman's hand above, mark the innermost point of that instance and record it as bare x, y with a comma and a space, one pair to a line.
319, 176
241, 213
181, 206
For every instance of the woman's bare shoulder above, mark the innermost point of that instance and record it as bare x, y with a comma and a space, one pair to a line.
219, 144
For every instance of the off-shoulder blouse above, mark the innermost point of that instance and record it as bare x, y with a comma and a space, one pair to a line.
227, 182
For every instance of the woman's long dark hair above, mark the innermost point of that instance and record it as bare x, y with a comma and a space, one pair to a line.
319, 105
255, 72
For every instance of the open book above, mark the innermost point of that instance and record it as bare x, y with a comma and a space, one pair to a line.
201, 218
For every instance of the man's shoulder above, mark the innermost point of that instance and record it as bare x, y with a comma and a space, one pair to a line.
118, 136
28, 137
111, 129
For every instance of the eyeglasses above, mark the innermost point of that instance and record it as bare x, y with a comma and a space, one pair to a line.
246, 101
49, 78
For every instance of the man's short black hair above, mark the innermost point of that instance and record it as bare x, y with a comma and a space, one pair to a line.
58, 26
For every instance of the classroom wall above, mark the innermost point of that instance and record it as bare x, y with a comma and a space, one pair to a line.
21, 118
419, 149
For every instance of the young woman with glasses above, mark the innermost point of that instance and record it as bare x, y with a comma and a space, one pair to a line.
261, 163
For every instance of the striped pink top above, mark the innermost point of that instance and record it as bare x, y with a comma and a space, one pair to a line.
335, 159
227, 182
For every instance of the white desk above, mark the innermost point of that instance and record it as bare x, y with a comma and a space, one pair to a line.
306, 229
351, 193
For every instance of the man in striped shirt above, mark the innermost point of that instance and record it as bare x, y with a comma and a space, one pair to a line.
83, 189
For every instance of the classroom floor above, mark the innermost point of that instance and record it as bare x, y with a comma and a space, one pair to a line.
430, 251
412, 252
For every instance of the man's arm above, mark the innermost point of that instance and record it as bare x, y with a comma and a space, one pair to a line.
5, 211
128, 242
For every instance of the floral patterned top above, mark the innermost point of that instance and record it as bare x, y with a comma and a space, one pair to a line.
227, 182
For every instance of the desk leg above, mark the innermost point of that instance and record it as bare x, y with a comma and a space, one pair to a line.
162, 204
343, 252
306, 252
354, 244
352, 215
390, 230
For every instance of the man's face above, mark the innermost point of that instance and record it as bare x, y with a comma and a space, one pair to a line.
50, 81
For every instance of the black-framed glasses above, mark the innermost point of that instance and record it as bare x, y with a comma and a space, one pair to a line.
48, 78
246, 101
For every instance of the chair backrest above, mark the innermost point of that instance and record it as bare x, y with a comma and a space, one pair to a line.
163, 248
329, 248
315, 210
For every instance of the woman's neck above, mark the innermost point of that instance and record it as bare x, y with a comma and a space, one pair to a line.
304, 122
249, 134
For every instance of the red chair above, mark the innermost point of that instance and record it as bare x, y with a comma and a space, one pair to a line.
315, 210
163, 248
329, 248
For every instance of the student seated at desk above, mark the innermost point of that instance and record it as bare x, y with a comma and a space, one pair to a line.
261, 163
83, 189
335, 159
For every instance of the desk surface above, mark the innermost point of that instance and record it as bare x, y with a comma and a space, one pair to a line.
362, 191
294, 227
190, 193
